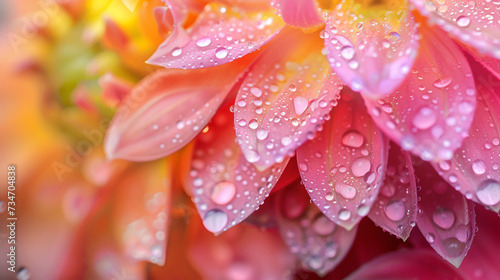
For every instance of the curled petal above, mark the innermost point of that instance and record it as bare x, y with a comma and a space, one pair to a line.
395, 208
319, 243
446, 218
431, 113
114, 89
166, 110
226, 187
407, 264
371, 54
490, 63
285, 98
474, 169
300, 13
220, 34
344, 165
476, 23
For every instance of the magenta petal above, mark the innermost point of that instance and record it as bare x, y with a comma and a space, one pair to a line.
285, 98
490, 63
431, 113
446, 218
220, 34
395, 208
343, 166
407, 264
474, 170
299, 13
226, 187
166, 110
476, 23
370, 55
317, 241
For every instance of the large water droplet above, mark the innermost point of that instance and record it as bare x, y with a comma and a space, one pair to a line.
251, 156
425, 118
347, 191
257, 92
488, 192
353, 139
221, 52
176, 52
443, 218
463, 21
360, 167
344, 215
347, 52
203, 42
323, 226
215, 220
443, 82
454, 248
262, 134
300, 104
395, 210
223, 192
478, 167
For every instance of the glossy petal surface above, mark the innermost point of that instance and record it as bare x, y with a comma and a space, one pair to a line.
395, 208
431, 113
220, 34
474, 169
475, 23
343, 166
372, 50
285, 98
226, 187
166, 110
300, 13
446, 218
318, 242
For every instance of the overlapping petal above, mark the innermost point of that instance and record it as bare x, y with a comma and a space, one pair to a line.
227, 188
285, 98
299, 13
166, 110
475, 23
431, 113
446, 218
319, 243
343, 166
395, 208
220, 34
372, 53
474, 169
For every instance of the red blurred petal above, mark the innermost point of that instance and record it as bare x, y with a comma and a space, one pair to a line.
299, 13
432, 112
344, 165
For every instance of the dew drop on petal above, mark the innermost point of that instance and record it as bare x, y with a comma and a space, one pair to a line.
176, 52
203, 42
223, 192
347, 191
478, 167
395, 210
425, 118
488, 192
344, 215
463, 21
257, 92
353, 139
443, 218
360, 167
300, 104
215, 220
262, 134
221, 52
443, 82
347, 52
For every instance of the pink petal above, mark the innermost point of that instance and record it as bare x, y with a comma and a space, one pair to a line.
226, 187
284, 99
490, 63
482, 261
407, 264
474, 169
318, 242
432, 111
371, 55
446, 218
475, 23
299, 13
220, 34
114, 89
343, 166
395, 208
166, 110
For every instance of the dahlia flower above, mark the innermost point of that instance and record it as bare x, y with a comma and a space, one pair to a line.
281, 123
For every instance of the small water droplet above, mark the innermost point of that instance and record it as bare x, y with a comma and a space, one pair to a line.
425, 118
221, 52
347, 52
478, 167
223, 192
443, 82
300, 104
463, 21
360, 167
203, 42
176, 52
257, 92
262, 134
347, 191
430, 237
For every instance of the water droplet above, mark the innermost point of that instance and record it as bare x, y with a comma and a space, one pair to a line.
300, 104
253, 124
453, 247
221, 52
329, 196
215, 220
425, 118
353, 139
176, 52
488, 192
251, 156
443, 218
395, 210
286, 141
262, 134
347, 52
203, 42
463, 21
23, 274
443, 82
430, 237
322, 225
344, 215
347, 191
303, 166
360, 167
180, 125
223, 192
331, 249
257, 92
478, 167
363, 209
